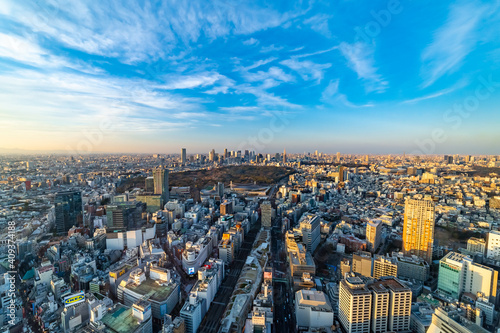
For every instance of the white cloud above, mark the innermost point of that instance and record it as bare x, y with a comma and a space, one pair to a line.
135, 32
452, 42
251, 41
308, 70
331, 95
361, 60
319, 23
271, 48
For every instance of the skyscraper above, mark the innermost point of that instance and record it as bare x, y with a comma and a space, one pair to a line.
68, 209
373, 234
183, 156
160, 177
338, 157
418, 231
284, 156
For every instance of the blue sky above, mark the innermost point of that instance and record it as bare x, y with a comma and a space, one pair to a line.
350, 76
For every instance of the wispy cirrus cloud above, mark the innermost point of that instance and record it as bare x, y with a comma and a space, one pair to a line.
360, 59
452, 42
460, 84
319, 23
308, 70
331, 95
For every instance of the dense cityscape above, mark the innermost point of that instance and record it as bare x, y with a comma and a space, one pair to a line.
249, 166
329, 243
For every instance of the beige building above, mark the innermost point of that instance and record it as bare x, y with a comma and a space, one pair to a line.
362, 263
385, 266
373, 235
380, 306
355, 302
476, 245
418, 231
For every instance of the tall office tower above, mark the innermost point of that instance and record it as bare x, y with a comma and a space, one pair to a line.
380, 306
338, 157
183, 156
160, 179
362, 263
284, 156
226, 154
68, 210
459, 274
211, 155
385, 266
310, 227
366, 158
418, 230
355, 302
373, 235
341, 174
149, 184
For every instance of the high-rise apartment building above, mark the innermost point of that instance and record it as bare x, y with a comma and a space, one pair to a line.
380, 306
68, 210
385, 266
183, 156
373, 235
160, 178
418, 231
459, 273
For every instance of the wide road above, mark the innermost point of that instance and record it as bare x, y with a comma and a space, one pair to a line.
212, 320
284, 314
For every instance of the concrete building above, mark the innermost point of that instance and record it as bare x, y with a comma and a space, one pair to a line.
362, 263
411, 267
391, 306
458, 274
163, 295
312, 309
196, 254
310, 228
421, 317
193, 312
379, 306
385, 266
451, 319
418, 230
128, 319
493, 245
373, 235
266, 211
355, 305
226, 249
476, 245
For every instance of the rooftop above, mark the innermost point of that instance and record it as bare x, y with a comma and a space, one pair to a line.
154, 290
120, 319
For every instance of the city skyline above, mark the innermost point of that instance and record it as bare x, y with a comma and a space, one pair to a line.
384, 78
